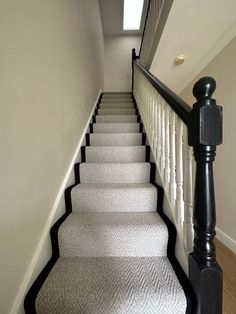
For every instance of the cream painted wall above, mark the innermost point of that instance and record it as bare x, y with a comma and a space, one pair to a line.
117, 75
223, 69
51, 71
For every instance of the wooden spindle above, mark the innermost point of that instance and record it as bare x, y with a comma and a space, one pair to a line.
179, 171
172, 183
188, 196
167, 147
162, 138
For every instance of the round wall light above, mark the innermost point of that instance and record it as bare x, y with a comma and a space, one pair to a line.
179, 60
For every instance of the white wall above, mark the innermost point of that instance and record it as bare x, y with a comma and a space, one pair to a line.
117, 71
51, 63
197, 29
223, 69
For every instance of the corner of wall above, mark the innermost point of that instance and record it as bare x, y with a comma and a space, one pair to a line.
226, 240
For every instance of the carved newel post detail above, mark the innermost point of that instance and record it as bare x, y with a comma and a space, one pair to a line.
205, 132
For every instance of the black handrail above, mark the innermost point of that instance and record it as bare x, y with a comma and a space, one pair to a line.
181, 108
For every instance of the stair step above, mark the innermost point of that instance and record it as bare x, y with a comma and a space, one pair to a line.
124, 197
115, 139
114, 172
115, 153
116, 100
116, 105
116, 127
116, 95
116, 111
116, 119
106, 234
111, 285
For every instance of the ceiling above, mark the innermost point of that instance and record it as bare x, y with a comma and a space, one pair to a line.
198, 29
112, 17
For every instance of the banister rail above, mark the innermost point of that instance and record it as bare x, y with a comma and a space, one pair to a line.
179, 133
175, 102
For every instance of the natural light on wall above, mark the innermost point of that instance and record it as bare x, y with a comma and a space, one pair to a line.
132, 14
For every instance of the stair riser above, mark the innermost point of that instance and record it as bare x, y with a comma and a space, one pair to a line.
114, 173
116, 105
116, 100
116, 128
114, 96
118, 111
115, 139
114, 200
116, 119
115, 154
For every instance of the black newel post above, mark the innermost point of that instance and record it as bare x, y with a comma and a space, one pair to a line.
205, 133
134, 57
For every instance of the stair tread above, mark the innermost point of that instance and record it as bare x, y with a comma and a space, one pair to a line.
105, 234
111, 285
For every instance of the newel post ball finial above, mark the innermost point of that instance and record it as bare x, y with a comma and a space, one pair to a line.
133, 54
204, 88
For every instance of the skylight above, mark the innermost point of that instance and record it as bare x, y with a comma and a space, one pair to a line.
132, 14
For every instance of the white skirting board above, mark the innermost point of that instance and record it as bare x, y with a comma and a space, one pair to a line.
43, 248
226, 240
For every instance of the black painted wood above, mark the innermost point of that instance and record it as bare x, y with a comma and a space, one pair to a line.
205, 132
77, 172
134, 57
87, 139
83, 153
147, 156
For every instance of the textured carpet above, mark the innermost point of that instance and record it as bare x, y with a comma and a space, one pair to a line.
113, 246
112, 285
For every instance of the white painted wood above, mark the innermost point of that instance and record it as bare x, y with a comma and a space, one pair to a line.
179, 171
188, 195
162, 166
172, 184
167, 147
167, 136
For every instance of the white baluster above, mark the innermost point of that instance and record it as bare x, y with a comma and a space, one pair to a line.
155, 113
172, 184
179, 171
159, 132
167, 147
162, 138
188, 195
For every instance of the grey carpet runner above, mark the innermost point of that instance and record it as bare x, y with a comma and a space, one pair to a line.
113, 246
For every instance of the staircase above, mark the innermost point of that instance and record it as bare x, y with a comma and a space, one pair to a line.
113, 246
